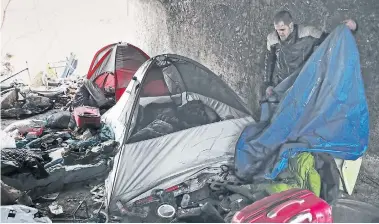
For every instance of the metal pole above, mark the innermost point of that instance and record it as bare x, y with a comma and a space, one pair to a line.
14, 75
27, 67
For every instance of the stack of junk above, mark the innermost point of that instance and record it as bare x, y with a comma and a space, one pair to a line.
40, 157
46, 91
67, 147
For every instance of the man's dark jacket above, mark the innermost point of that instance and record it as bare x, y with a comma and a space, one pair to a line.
282, 58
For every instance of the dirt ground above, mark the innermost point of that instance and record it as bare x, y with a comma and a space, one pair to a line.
70, 199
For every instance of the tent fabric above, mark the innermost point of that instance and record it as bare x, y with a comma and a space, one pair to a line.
168, 65
322, 109
99, 67
114, 66
154, 83
183, 74
222, 109
144, 164
140, 166
98, 55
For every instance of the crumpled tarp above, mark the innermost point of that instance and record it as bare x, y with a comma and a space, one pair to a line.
322, 108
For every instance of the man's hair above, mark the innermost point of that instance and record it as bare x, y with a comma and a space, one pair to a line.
283, 16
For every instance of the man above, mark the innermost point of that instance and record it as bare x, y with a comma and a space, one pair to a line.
289, 47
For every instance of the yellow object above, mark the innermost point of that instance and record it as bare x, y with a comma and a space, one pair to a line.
41, 77
51, 73
304, 175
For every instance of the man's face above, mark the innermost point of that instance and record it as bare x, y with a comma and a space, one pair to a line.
283, 30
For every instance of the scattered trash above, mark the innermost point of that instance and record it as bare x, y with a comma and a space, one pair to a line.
8, 98
22, 214
98, 193
83, 202
24, 199
56, 209
48, 141
49, 197
35, 158
86, 135
31, 105
56, 157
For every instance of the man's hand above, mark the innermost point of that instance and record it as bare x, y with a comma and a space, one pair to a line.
351, 24
269, 91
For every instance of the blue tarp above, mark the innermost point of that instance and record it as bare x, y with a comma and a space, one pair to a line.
322, 108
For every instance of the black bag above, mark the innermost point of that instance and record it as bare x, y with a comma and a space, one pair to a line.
59, 120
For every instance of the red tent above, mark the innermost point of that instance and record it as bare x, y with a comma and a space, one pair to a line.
114, 66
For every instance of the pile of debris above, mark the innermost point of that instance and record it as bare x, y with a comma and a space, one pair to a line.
40, 157
20, 101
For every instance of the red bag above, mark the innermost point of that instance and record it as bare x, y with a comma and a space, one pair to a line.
295, 205
35, 131
87, 117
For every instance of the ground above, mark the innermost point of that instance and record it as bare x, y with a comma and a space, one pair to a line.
70, 198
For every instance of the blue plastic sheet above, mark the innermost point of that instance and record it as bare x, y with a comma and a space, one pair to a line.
322, 108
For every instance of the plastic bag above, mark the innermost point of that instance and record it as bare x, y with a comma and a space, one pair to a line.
7, 141
59, 120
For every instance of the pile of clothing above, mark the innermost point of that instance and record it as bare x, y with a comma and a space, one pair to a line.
36, 141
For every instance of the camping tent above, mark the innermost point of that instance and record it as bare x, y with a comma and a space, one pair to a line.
114, 65
142, 166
